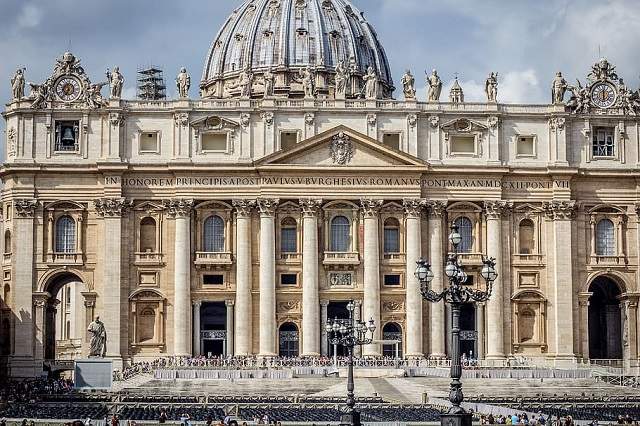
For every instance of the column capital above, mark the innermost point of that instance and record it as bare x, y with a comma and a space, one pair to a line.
112, 207
41, 299
494, 209
25, 207
637, 208
324, 303
180, 207
560, 210
357, 302
243, 207
413, 206
268, 206
230, 302
196, 303
437, 208
371, 207
310, 206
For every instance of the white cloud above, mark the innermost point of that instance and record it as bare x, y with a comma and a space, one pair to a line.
30, 16
519, 87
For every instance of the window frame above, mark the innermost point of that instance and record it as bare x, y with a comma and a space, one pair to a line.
298, 133
226, 133
158, 135
347, 238
610, 243
398, 235
596, 144
70, 238
398, 133
222, 223
517, 142
78, 130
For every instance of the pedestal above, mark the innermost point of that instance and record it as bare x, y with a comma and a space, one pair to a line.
350, 419
93, 373
462, 419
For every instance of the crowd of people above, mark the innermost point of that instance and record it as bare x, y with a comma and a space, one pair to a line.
523, 419
28, 391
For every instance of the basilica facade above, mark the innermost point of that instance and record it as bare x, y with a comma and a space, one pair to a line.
240, 222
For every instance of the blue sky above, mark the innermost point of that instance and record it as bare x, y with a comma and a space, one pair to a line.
526, 41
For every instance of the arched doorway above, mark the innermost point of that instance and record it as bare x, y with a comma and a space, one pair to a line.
289, 339
605, 322
392, 332
63, 317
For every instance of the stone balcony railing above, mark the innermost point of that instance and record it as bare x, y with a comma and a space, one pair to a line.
608, 260
394, 258
65, 258
213, 258
290, 257
149, 258
341, 258
528, 260
470, 258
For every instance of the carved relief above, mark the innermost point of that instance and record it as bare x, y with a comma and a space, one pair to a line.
341, 149
309, 118
181, 119
557, 123
116, 119
434, 120
340, 279
267, 117
112, 207
11, 142
392, 306
25, 207
289, 306
412, 120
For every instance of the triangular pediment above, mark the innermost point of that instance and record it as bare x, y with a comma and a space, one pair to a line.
341, 147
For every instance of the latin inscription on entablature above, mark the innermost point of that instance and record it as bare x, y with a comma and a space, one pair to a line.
429, 183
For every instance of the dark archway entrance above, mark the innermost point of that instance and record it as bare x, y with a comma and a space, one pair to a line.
288, 339
337, 310
213, 329
390, 332
58, 303
605, 322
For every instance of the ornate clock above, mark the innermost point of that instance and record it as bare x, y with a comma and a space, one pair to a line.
68, 89
603, 95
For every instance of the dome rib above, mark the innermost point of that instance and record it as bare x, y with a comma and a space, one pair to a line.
287, 36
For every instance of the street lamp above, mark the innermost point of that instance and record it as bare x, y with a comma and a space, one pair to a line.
456, 295
350, 333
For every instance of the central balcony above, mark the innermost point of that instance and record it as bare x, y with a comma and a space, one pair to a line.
393, 258
213, 259
341, 258
65, 258
149, 258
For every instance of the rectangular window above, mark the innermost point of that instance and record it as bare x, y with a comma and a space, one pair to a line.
391, 240
149, 142
214, 142
392, 140
392, 280
288, 140
603, 142
213, 279
526, 146
67, 136
289, 279
463, 144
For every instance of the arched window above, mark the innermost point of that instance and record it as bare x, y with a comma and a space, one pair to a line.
289, 236
65, 235
214, 235
340, 234
7, 242
147, 325
605, 238
148, 235
526, 234
465, 228
391, 235
392, 332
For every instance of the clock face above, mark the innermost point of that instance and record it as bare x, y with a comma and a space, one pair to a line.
68, 89
603, 95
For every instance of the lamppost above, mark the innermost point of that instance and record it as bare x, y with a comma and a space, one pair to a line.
455, 295
350, 333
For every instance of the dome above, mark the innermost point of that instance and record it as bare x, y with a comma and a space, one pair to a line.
291, 48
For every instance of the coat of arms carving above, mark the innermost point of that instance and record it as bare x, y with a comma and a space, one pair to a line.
341, 149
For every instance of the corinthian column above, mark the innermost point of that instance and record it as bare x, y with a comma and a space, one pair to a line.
371, 306
413, 210
561, 213
181, 211
310, 298
438, 329
267, 277
495, 305
243, 310
112, 209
